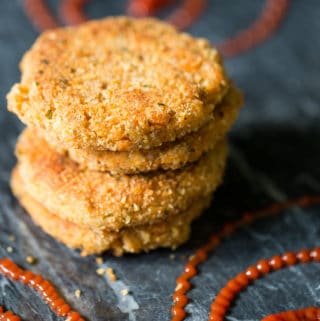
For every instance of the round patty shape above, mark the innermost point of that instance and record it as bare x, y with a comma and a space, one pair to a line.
100, 200
118, 84
164, 233
170, 155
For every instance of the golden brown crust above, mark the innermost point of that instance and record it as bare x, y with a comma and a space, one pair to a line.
165, 233
118, 84
172, 155
102, 201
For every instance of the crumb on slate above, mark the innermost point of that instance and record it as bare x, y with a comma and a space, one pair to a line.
99, 260
172, 256
12, 238
77, 293
30, 259
101, 271
109, 271
111, 274
9, 249
124, 292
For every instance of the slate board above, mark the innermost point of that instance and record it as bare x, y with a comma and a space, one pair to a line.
275, 155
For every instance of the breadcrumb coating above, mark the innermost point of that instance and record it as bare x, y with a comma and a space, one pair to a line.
118, 84
163, 233
169, 156
103, 201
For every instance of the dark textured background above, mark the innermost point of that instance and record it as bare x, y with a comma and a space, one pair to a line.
275, 155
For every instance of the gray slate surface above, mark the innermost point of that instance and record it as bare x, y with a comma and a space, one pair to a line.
275, 155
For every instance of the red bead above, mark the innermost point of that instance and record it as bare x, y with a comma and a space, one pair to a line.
215, 317
49, 293
247, 218
263, 266
62, 310
215, 240
8, 316
222, 301
276, 262
12, 272
5, 264
218, 309
182, 284
55, 302
242, 279
181, 300
73, 316
252, 273
179, 312
176, 296
311, 313
26, 277
194, 260
315, 254
272, 318
289, 258
228, 229
227, 293
290, 316
304, 256
202, 255
213, 243
234, 285
40, 286
189, 270
208, 247
35, 281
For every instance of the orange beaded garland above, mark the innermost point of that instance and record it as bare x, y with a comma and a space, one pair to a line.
266, 24
8, 315
270, 18
39, 14
220, 308
42, 286
227, 294
72, 13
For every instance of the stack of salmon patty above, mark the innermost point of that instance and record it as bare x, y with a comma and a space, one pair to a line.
125, 141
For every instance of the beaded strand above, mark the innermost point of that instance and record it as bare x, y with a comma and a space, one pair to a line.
72, 13
39, 284
183, 285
